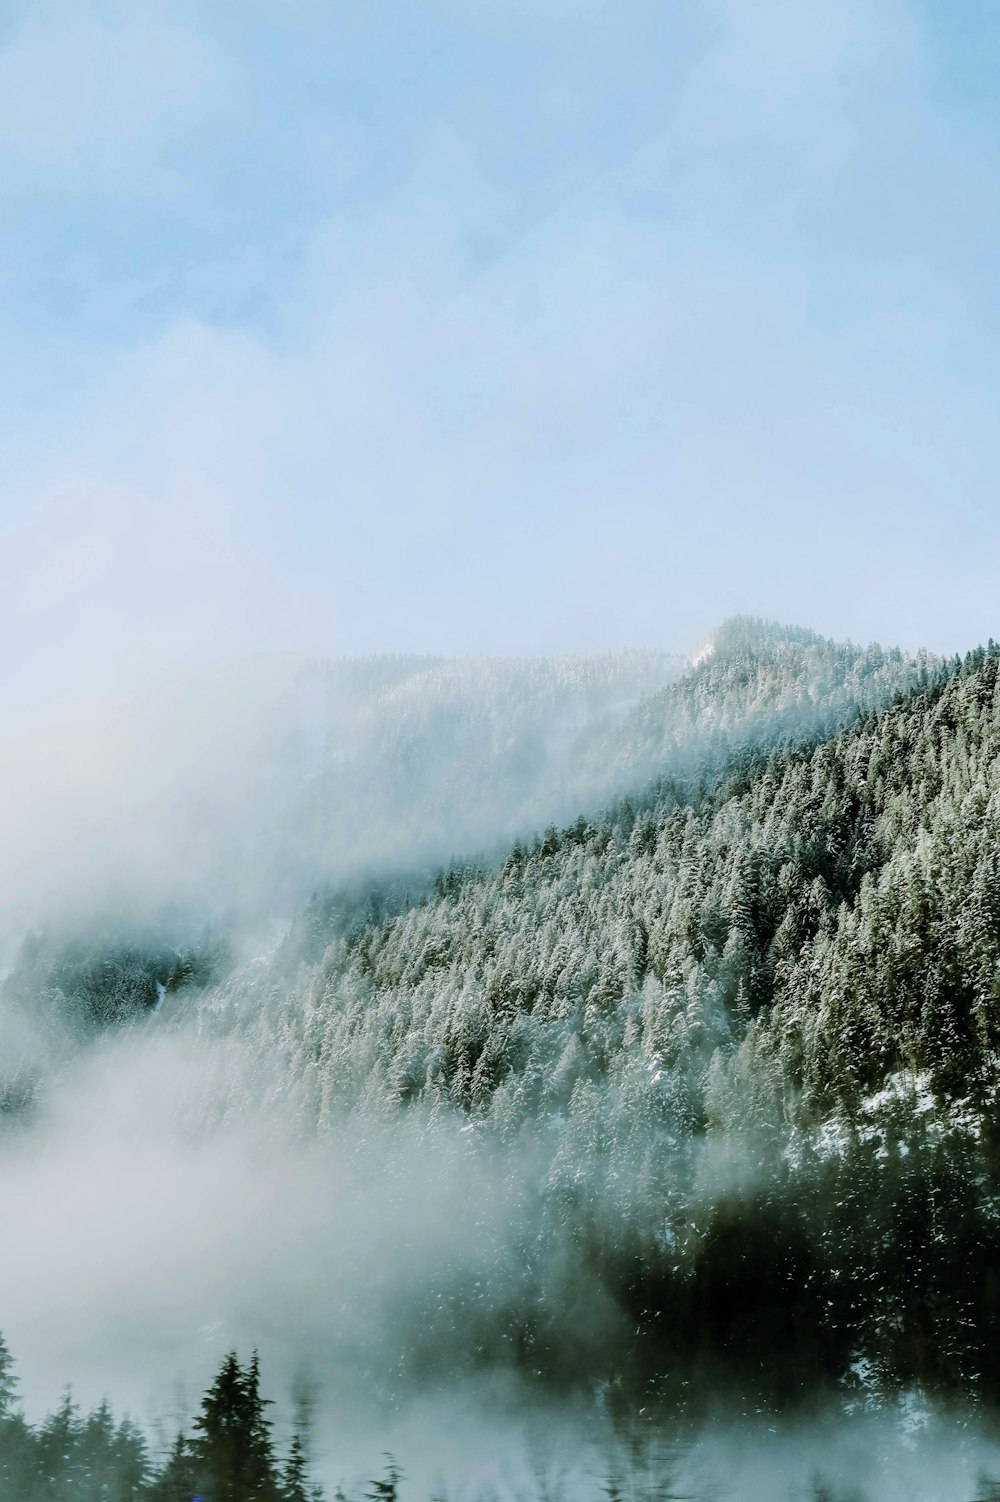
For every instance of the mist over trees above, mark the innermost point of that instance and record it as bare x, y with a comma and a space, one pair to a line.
228, 1455
226, 794
711, 1053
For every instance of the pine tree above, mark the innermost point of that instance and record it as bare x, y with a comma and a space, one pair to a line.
178, 1480
295, 1478
259, 1464
17, 1447
131, 1463
8, 1382
234, 1457
57, 1447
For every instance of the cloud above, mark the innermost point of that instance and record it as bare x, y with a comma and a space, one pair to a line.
74, 78
466, 417
777, 51
149, 1236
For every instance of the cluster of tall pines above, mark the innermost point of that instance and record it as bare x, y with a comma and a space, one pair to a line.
229, 1455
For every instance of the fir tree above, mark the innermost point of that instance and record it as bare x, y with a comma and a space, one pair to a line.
8, 1381
295, 1482
234, 1458
178, 1481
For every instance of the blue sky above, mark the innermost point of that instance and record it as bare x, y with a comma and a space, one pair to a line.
488, 325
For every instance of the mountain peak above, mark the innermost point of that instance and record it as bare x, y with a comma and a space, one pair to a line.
750, 632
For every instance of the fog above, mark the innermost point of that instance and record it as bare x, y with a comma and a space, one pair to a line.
160, 1210
148, 1230
229, 789
150, 1238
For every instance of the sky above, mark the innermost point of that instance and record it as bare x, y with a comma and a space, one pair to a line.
493, 326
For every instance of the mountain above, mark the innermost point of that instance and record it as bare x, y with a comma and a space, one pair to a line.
751, 683
237, 793
745, 1018
688, 1096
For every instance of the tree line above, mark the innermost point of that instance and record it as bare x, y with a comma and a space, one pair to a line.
228, 1456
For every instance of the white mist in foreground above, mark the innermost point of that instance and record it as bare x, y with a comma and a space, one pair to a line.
146, 1237
146, 1233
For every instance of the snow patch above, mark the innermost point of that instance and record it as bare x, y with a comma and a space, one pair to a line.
902, 1086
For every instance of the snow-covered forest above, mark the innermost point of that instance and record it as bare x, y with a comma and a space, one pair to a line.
645, 1062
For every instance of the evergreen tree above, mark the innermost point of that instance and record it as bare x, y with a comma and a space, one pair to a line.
178, 1480
57, 1449
259, 1462
17, 1448
8, 1381
234, 1458
295, 1476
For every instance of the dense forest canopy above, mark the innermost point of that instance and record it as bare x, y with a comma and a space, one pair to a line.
747, 1017
719, 1042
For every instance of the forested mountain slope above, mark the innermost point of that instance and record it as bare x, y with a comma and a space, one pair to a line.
751, 683
370, 773
234, 798
413, 759
719, 1055
701, 896
748, 1024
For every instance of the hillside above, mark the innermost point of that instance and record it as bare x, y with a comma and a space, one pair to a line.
742, 1026
689, 1096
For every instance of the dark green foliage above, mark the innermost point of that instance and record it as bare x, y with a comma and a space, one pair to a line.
84, 983
16, 1439
748, 1020
89, 985
8, 1382
199, 965
233, 1454
295, 1475
95, 1459
177, 1481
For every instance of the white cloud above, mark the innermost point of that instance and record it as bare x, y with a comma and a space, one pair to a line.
450, 449
782, 48
73, 79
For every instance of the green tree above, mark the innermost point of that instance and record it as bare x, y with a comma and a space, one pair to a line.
295, 1482
177, 1482
233, 1454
